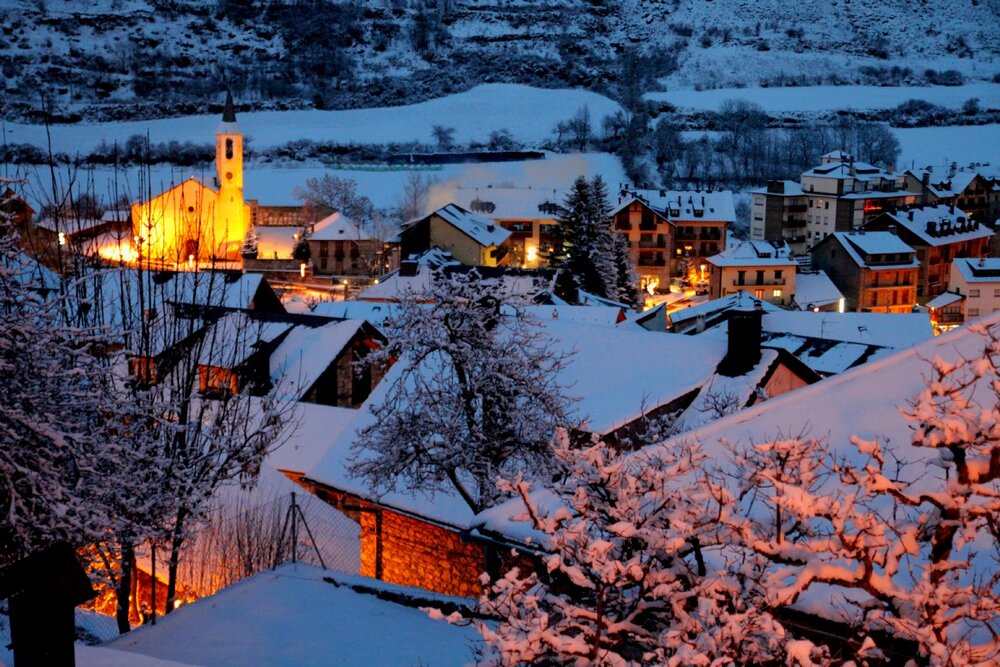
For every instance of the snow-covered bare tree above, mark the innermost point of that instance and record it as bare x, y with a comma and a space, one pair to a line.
414, 200
917, 542
632, 570
331, 193
474, 394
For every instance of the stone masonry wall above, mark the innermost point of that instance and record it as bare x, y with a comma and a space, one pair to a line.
416, 553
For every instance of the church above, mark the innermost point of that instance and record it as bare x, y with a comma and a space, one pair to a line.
193, 222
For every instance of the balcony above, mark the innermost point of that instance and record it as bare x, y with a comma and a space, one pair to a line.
659, 243
797, 208
795, 222
713, 235
686, 236
767, 282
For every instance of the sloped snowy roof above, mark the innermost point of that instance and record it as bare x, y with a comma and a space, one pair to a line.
857, 245
789, 189
715, 206
373, 312
815, 290
754, 253
508, 203
895, 330
682, 320
953, 225
482, 230
515, 284
944, 299
646, 369
843, 170
982, 270
338, 227
306, 352
233, 338
302, 615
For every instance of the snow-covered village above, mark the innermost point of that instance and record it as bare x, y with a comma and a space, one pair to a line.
477, 332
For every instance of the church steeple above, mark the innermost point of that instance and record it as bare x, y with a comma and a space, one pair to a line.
231, 213
229, 113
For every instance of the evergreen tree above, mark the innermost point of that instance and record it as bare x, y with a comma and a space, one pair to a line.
587, 247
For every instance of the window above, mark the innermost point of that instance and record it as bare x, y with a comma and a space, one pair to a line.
973, 312
741, 277
776, 293
996, 292
229, 149
777, 275
760, 277
216, 381
759, 293
973, 293
826, 204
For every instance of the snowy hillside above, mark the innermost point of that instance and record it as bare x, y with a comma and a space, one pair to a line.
92, 56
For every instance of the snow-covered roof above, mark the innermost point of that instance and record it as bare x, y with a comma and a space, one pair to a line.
815, 290
338, 227
373, 312
647, 370
306, 352
482, 230
981, 270
682, 320
312, 430
302, 615
789, 189
509, 203
213, 289
844, 170
859, 244
515, 284
234, 337
895, 330
754, 253
945, 299
714, 206
589, 314
940, 225
73, 225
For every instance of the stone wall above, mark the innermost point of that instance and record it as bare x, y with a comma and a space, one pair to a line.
416, 553
407, 551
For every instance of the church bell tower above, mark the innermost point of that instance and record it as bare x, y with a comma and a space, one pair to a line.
230, 225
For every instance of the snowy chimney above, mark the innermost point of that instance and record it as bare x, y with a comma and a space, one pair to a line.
743, 353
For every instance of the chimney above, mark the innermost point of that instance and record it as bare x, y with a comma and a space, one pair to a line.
910, 214
892, 229
743, 353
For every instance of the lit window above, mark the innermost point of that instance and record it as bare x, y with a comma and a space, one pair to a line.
62, 238
776, 294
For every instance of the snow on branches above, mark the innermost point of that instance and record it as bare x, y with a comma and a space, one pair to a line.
473, 395
632, 572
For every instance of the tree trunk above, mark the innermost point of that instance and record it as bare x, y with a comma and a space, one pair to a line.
176, 539
124, 588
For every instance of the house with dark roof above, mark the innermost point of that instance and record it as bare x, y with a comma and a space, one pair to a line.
762, 267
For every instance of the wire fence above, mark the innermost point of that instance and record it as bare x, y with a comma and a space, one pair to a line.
243, 537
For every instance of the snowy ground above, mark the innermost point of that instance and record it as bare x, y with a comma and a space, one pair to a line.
528, 113
274, 184
292, 617
830, 98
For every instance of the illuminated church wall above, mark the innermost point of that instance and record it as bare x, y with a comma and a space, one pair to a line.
192, 219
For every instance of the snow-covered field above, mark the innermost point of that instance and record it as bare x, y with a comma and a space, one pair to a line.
831, 98
963, 144
528, 113
274, 184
